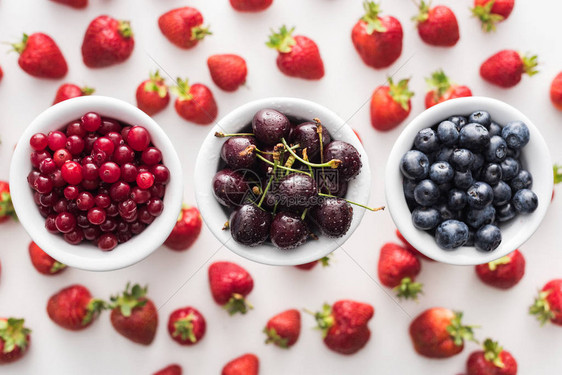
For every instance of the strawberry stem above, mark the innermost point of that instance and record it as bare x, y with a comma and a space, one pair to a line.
130, 299
529, 64
184, 328
283, 40
273, 337
182, 89
20, 47
439, 82
14, 334
324, 319
493, 265
125, 29
199, 33
400, 92
423, 14
485, 15
237, 304
408, 289
94, 309
460, 333
557, 173
492, 351
541, 308
371, 17
57, 266
87, 90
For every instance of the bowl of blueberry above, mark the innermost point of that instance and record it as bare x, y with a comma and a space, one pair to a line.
469, 180
96, 183
282, 181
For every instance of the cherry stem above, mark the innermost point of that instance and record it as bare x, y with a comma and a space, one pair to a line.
357, 204
334, 163
265, 192
305, 157
304, 213
319, 131
223, 135
226, 225
282, 167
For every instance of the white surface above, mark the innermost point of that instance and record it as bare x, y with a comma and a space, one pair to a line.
347, 85
213, 213
535, 157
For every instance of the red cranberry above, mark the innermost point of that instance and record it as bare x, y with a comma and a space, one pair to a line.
119, 191
61, 156
91, 121
72, 207
99, 157
107, 241
109, 225
75, 128
31, 177
129, 172
37, 198
157, 190
89, 142
82, 220
102, 200
90, 171
116, 138
110, 172
87, 160
72, 172
109, 125
112, 210
138, 138
92, 233
125, 131
85, 201
38, 141
123, 237
90, 184
38, 156
56, 178
60, 206
43, 184
50, 224
47, 166
161, 173
65, 222
136, 227
142, 168
139, 195
127, 208
123, 154
122, 227
151, 156
45, 211
56, 140
74, 237
144, 216
145, 180
71, 192
75, 145
104, 144
96, 215
48, 200
155, 207
132, 218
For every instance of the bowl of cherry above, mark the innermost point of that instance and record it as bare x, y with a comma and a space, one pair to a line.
282, 181
469, 180
96, 183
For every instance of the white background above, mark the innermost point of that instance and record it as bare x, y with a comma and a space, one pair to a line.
345, 89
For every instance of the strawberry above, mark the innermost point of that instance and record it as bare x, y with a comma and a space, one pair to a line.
490, 12
378, 40
250, 5
408, 246
442, 89
325, 261
502, 273
134, 316
506, 68
195, 103
40, 56
493, 360
186, 230
6, 206
14, 339
107, 42
344, 325
229, 284
556, 91
43, 262
438, 333
69, 91
358, 136
437, 26
298, 55
548, 304
182, 27
186, 326
74, 308
283, 329
78, 4
170, 370
152, 94
247, 364
390, 105
227, 71
398, 269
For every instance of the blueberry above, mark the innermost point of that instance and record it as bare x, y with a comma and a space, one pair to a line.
516, 134
426, 193
444, 154
523, 180
510, 168
525, 201
408, 186
463, 180
441, 172
479, 195
491, 174
425, 218
459, 121
496, 151
470, 240
474, 137
513, 153
502, 193
462, 159
505, 213
445, 188
457, 199
451, 234
426, 141
478, 162
414, 165
476, 218
480, 117
447, 133
488, 238
494, 129
445, 212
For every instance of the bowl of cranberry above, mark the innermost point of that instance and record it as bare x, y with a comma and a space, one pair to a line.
96, 183
282, 181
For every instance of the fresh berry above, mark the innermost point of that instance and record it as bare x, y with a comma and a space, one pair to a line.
556, 91
230, 284
283, 329
74, 308
437, 26
288, 230
247, 364
78, 4
506, 68
229, 187
270, 126
503, 273
398, 269
69, 91
152, 95
186, 230
390, 105
227, 71
250, 5
349, 157
548, 304
325, 261
516, 134
183, 27
6, 206
186, 326
490, 12
250, 225
493, 360
451, 234
333, 216
170, 370
442, 89
525, 201
40, 56
414, 165
425, 218
43, 262
312, 136
195, 103
14, 339
107, 42
234, 152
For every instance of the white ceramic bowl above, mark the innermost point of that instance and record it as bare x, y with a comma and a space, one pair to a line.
209, 158
535, 158
87, 256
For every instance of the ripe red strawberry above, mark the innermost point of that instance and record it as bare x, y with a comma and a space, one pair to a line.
298, 55
493, 360
182, 27
78, 4
43, 262
408, 246
491, 12
107, 42
344, 325
14, 339
503, 273
6, 206
134, 316
439, 333
398, 269
40, 56
247, 364
442, 89
69, 91
250, 5
390, 105
378, 40
437, 26
284, 329
152, 94
506, 68
74, 308
170, 370
186, 326
186, 230
325, 261
229, 284
556, 91
227, 71
195, 103
548, 304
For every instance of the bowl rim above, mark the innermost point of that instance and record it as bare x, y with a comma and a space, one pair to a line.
206, 167
396, 201
89, 257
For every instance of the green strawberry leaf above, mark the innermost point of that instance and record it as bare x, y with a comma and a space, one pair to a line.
541, 308
439, 82
237, 304
401, 93
493, 265
14, 334
57, 266
529, 64
273, 337
283, 40
324, 319
557, 173
485, 15
199, 33
182, 89
125, 29
129, 300
94, 309
184, 328
423, 14
371, 17
460, 333
408, 289
492, 351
